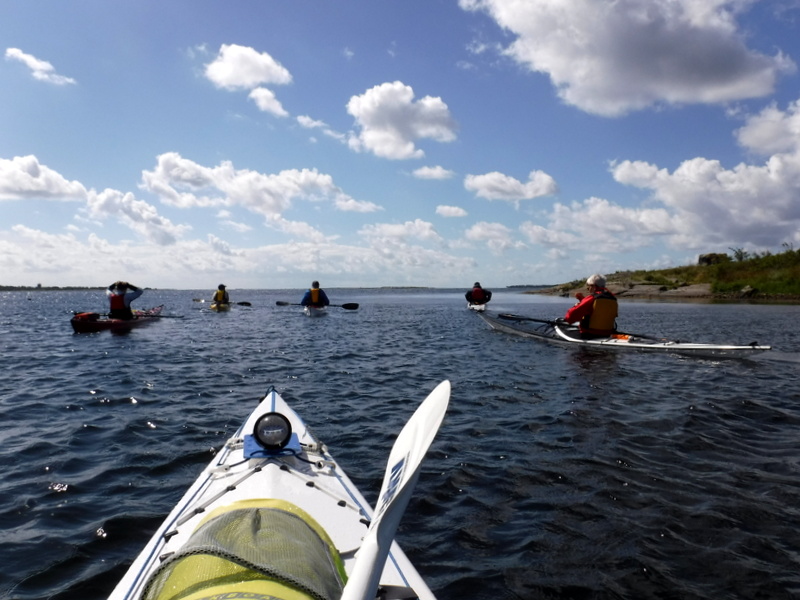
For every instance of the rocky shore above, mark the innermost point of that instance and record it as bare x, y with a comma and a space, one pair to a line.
644, 291
641, 291
690, 293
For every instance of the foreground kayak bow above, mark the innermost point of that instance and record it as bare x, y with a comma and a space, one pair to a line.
274, 516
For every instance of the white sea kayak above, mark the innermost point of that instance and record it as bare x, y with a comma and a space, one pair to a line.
273, 516
566, 335
476, 307
315, 311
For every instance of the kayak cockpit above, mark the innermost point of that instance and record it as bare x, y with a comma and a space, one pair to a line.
261, 546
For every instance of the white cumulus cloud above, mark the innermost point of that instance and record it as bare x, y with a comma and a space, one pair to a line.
497, 237
267, 102
498, 186
25, 177
749, 204
450, 211
612, 57
138, 215
391, 121
242, 67
436, 172
40, 69
348, 204
416, 229
772, 130
308, 123
184, 183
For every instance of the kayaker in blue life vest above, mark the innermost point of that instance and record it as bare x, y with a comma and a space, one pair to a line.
596, 314
478, 295
315, 296
221, 295
120, 295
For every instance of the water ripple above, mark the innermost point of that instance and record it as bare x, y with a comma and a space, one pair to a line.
556, 474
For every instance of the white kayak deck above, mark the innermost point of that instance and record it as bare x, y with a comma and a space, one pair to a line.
315, 311
304, 473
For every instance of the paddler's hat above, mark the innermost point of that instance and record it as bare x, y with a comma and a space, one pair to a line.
221, 287
596, 279
476, 284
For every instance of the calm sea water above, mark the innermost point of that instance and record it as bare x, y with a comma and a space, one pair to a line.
558, 473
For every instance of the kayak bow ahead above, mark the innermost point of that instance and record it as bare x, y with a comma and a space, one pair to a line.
274, 516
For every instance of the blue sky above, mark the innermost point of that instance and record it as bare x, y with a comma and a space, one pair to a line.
267, 143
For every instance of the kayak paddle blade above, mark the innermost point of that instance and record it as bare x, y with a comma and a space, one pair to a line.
402, 472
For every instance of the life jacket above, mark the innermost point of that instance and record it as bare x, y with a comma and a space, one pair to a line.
602, 321
117, 308
220, 296
117, 302
315, 297
478, 296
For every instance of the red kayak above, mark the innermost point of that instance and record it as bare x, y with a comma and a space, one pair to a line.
91, 322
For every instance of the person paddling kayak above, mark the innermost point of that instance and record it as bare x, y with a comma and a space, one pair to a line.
596, 313
221, 295
315, 296
478, 295
120, 295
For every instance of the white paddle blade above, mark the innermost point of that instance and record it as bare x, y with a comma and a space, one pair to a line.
401, 476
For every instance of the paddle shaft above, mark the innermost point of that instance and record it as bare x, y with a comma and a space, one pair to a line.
239, 303
554, 323
348, 306
511, 317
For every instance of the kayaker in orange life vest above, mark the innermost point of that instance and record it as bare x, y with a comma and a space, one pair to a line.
120, 295
597, 312
315, 296
478, 295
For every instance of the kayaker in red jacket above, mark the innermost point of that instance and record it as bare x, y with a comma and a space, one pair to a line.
596, 313
478, 295
120, 295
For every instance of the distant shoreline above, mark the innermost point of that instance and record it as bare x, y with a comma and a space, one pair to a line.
693, 293
42, 288
700, 292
